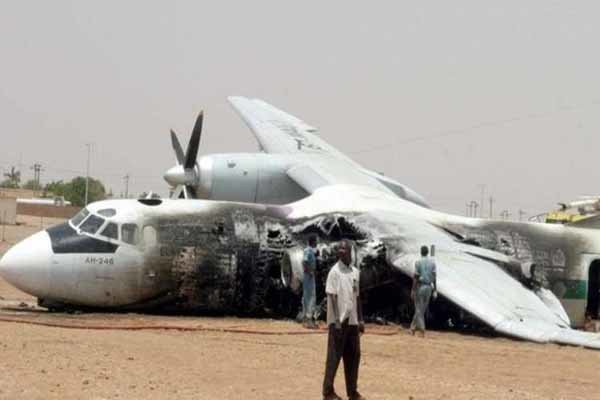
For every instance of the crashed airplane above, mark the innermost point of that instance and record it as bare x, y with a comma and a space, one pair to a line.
235, 244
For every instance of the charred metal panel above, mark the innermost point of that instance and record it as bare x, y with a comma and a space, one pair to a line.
556, 255
229, 261
223, 262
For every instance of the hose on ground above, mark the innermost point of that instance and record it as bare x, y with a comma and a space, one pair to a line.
179, 328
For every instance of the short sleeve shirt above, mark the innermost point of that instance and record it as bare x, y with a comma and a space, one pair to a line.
425, 270
343, 281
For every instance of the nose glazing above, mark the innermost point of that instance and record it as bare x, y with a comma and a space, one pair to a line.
27, 264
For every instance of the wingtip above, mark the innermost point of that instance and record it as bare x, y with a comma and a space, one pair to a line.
235, 98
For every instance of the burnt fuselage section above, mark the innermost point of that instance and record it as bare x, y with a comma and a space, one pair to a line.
229, 261
561, 256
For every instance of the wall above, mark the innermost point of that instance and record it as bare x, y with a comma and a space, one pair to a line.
48, 211
8, 211
20, 193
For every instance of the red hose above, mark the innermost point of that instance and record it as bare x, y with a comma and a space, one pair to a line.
176, 328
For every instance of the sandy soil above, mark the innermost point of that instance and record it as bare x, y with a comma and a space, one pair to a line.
216, 358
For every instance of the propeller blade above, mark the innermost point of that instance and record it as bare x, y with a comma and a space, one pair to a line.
177, 147
184, 192
191, 192
177, 193
193, 145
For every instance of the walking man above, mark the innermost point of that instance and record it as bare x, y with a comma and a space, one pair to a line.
424, 287
345, 323
309, 262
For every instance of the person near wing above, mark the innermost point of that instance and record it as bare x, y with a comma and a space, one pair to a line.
309, 262
423, 289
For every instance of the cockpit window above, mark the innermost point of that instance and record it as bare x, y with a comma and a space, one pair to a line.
108, 212
111, 231
129, 233
92, 224
76, 220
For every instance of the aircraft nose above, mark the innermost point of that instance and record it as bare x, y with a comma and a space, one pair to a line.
27, 264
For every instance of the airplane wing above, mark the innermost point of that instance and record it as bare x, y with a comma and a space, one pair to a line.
469, 280
468, 276
281, 133
483, 289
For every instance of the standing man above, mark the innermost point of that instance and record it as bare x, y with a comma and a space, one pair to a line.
424, 286
309, 262
345, 323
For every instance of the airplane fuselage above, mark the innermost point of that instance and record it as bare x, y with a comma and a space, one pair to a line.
224, 256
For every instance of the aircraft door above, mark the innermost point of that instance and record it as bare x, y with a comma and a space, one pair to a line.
579, 291
593, 295
151, 271
150, 237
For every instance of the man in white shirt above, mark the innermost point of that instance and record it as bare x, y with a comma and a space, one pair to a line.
345, 322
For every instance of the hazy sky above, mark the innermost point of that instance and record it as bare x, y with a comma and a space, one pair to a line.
505, 94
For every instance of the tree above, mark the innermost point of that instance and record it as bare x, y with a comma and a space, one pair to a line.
57, 188
13, 179
32, 185
74, 191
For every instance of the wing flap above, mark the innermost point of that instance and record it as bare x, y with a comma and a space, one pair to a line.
307, 178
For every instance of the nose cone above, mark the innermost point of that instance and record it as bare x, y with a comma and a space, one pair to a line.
175, 175
27, 264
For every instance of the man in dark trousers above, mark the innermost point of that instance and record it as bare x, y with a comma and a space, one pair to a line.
345, 322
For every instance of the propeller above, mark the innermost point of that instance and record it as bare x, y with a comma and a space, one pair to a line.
177, 148
184, 176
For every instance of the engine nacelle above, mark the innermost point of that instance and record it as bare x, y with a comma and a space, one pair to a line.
247, 177
292, 270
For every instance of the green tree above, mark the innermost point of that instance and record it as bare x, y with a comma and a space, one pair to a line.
75, 191
57, 188
13, 179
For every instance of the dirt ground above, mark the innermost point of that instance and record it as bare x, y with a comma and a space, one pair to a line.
231, 358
